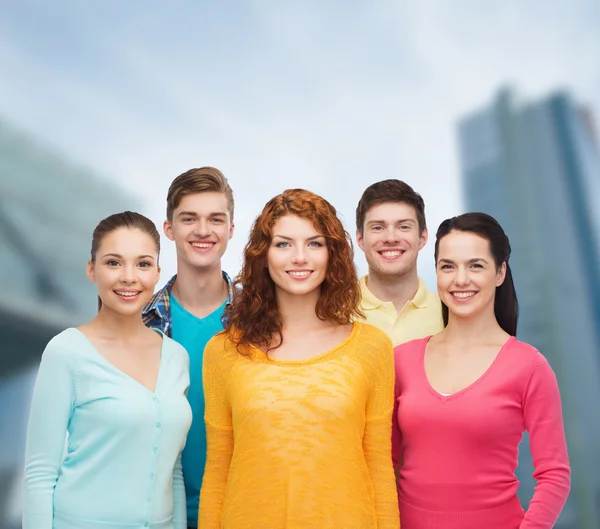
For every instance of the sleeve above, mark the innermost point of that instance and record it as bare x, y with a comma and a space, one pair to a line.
377, 440
542, 414
179, 496
179, 500
219, 434
52, 405
396, 432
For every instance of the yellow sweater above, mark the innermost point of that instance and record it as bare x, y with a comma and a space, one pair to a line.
300, 444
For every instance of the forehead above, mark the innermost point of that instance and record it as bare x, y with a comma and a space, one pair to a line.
390, 212
127, 241
204, 203
293, 225
464, 245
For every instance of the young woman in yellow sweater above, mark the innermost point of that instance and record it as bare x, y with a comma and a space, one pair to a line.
298, 398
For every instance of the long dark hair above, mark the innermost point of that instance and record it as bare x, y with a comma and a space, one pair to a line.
506, 306
127, 219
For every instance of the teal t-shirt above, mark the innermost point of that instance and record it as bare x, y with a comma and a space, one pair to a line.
194, 333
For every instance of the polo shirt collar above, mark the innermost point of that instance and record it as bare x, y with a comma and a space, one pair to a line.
370, 301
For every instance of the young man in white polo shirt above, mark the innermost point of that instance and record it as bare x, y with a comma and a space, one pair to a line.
391, 230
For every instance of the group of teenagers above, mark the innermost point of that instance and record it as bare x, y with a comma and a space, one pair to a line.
298, 395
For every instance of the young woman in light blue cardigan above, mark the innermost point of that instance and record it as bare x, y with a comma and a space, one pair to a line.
118, 390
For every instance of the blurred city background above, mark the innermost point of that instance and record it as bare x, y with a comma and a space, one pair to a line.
479, 106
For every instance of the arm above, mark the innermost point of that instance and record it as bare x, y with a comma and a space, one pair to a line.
179, 505
219, 435
377, 440
52, 404
542, 415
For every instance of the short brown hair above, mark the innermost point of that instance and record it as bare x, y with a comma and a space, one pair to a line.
202, 180
254, 317
391, 190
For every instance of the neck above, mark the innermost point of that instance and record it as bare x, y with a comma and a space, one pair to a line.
395, 289
197, 289
298, 313
116, 326
474, 330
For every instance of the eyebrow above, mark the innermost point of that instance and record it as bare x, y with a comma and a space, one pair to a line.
118, 256
400, 221
470, 261
309, 239
194, 214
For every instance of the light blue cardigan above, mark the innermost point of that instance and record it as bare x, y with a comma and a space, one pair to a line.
122, 467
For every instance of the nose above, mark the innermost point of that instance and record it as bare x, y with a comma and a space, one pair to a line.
390, 234
201, 228
462, 276
128, 274
299, 256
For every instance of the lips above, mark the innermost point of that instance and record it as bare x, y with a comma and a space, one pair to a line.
391, 254
463, 295
128, 295
202, 246
299, 275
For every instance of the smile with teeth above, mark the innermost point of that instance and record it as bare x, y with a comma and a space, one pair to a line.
299, 273
202, 245
390, 254
127, 293
464, 295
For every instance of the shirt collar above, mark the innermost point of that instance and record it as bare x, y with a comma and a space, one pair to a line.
370, 301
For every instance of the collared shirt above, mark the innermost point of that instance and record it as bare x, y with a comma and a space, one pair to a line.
157, 312
420, 317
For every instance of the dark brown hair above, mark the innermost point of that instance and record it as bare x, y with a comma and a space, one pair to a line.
506, 306
254, 318
127, 219
202, 180
391, 190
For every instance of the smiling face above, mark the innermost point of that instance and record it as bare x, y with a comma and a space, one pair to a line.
467, 275
391, 239
201, 228
125, 270
297, 258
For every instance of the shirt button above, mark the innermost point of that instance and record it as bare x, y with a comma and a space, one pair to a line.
155, 398
155, 450
151, 475
158, 425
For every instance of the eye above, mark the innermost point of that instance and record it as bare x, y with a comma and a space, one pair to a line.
405, 227
445, 267
282, 244
145, 264
476, 265
187, 219
316, 244
218, 220
112, 262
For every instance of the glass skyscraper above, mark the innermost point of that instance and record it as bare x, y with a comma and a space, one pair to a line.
535, 166
49, 207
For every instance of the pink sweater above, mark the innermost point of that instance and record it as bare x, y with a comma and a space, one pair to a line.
459, 452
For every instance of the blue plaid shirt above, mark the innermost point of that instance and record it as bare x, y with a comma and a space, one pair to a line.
156, 314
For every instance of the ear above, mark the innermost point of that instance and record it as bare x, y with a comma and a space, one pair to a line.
90, 271
359, 240
423, 238
231, 230
168, 229
501, 274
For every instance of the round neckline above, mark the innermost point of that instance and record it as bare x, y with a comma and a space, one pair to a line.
264, 357
473, 384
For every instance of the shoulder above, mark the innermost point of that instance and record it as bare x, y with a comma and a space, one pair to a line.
64, 344
158, 300
410, 349
174, 348
371, 335
523, 355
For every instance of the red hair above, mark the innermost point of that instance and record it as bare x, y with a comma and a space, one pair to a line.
253, 318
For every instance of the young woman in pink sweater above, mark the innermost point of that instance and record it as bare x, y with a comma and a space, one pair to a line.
465, 396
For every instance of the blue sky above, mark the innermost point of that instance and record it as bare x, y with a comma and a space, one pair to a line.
329, 96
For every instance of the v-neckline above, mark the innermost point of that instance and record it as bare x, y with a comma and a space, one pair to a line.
126, 375
473, 384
